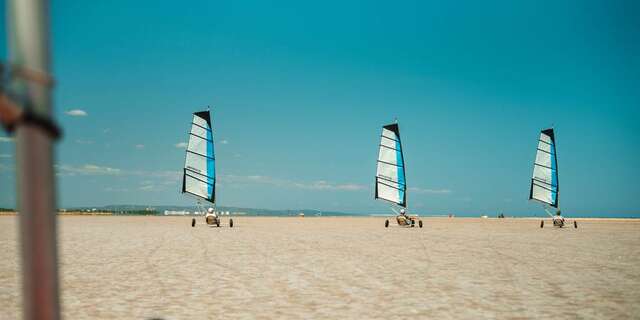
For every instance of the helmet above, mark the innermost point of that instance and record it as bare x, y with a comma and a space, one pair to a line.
210, 210
402, 211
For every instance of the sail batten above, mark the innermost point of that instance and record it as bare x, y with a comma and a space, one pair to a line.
390, 176
544, 183
199, 177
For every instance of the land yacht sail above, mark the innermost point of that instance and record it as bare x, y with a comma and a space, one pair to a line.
199, 172
544, 183
390, 176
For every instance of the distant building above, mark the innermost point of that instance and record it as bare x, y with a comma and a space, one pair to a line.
176, 213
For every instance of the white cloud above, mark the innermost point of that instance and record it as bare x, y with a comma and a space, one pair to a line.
87, 170
150, 181
146, 187
324, 185
95, 170
150, 186
181, 145
8, 168
284, 183
224, 141
84, 141
164, 177
111, 189
429, 191
139, 146
76, 113
6, 139
168, 174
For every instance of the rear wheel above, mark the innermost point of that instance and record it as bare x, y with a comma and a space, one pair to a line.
386, 223
575, 224
420, 223
542, 224
230, 223
193, 222
218, 223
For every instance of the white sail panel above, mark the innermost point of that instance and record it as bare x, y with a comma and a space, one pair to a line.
390, 175
389, 193
199, 131
388, 155
387, 172
196, 187
199, 166
544, 183
388, 142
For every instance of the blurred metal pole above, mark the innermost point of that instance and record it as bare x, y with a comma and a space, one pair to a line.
29, 52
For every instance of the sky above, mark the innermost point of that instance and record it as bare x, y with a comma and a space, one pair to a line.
299, 92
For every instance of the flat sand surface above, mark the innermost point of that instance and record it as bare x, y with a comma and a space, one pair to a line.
331, 268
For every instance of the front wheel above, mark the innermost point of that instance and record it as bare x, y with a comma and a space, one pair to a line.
193, 222
386, 223
230, 223
542, 224
575, 224
420, 223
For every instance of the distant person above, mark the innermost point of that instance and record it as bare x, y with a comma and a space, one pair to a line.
402, 217
558, 220
211, 217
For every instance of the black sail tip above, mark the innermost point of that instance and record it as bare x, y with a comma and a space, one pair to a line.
394, 128
549, 132
205, 115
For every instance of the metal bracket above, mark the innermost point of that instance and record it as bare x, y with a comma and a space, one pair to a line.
11, 115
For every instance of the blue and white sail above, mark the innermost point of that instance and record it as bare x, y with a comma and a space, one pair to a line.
544, 183
200, 162
390, 177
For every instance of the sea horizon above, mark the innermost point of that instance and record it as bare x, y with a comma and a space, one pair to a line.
266, 212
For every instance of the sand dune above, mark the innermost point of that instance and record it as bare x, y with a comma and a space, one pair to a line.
143, 267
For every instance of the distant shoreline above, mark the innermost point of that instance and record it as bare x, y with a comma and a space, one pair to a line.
380, 216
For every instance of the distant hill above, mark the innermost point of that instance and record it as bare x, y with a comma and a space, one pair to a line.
138, 209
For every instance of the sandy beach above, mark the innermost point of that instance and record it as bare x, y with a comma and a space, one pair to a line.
326, 268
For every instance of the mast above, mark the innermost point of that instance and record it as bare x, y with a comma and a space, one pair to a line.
28, 26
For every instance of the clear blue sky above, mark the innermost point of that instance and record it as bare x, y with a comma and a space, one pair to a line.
300, 90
